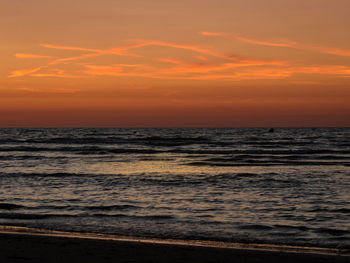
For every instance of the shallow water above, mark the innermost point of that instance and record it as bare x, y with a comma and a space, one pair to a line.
290, 186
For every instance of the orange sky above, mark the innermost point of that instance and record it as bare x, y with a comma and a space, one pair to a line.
175, 63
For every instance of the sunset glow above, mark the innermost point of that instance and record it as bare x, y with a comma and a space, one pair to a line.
179, 63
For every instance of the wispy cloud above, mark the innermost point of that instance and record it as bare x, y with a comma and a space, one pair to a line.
227, 71
203, 54
321, 49
69, 48
27, 89
124, 50
213, 34
285, 44
57, 75
65, 90
270, 44
23, 72
203, 58
56, 91
332, 51
203, 63
171, 61
22, 55
197, 49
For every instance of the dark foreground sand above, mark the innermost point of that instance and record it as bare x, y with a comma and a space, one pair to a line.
32, 248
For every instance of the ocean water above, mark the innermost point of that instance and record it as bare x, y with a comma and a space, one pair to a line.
290, 186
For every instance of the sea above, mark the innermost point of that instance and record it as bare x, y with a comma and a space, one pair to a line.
283, 186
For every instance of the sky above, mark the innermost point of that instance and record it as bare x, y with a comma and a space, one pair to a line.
193, 63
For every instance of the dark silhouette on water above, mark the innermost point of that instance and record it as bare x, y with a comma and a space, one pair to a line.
271, 130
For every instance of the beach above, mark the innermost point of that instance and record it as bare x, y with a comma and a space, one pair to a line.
19, 247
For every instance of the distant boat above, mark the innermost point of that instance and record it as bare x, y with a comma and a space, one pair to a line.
271, 130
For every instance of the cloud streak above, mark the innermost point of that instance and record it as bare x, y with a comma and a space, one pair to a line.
212, 34
22, 55
55, 91
270, 44
320, 49
228, 71
69, 48
202, 53
206, 63
23, 72
124, 50
285, 44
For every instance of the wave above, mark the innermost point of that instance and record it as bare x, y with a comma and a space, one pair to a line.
267, 163
34, 157
290, 227
27, 216
111, 207
265, 157
157, 217
341, 210
85, 150
256, 227
66, 140
172, 141
148, 140
116, 180
46, 174
327, 210
39, 216
141, 217
283, 228
266, 152
332, 231
277, 144
79, 150
9, 206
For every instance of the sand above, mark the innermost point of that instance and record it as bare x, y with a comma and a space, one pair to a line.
27, 248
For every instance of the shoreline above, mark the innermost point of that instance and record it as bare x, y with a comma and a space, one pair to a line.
22, 247
16, 233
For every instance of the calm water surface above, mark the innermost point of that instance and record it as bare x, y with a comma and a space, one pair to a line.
290, 186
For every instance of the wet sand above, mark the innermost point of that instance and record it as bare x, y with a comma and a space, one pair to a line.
37, 248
